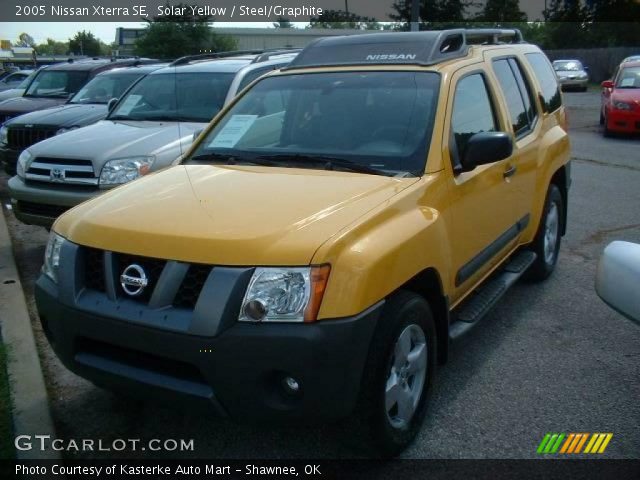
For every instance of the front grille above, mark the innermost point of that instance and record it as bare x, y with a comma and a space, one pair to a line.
20, 138
61, 170
94, 269
41, 209
187, 292
191, 286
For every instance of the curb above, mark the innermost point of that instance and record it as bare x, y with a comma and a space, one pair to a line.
31, 415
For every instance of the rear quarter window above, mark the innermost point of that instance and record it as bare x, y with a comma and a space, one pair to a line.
552, 100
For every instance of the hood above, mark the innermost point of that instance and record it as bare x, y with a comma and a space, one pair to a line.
68, 115
14, 92
20, 105
228, 215
629, 95
568, 74
107, 140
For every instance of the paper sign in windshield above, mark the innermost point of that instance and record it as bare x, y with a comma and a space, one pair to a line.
233, 131
128, 104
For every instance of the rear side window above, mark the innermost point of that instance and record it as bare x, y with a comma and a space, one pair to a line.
472, 111
547, 80
517, 95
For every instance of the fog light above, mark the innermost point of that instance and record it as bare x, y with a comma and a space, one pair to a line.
255, 310
291, 385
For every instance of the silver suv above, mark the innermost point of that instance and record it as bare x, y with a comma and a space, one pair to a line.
148, 129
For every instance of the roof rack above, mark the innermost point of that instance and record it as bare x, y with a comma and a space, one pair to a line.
402, 48
272, 53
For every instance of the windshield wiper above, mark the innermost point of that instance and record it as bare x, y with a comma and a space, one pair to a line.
230, 159
329, 163
119, 117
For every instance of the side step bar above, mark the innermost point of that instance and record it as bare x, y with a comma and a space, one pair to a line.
467, 315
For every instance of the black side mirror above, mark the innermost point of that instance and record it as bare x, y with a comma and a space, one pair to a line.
486, 147
111, 104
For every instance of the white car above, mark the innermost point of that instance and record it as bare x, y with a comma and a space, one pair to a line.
618, 278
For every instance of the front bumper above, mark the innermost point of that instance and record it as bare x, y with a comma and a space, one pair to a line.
569, 83
238, 372
9, 158
623, 121
41, 205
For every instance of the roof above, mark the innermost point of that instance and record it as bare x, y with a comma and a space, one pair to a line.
632, 63
137, 68
405, 48
226, 62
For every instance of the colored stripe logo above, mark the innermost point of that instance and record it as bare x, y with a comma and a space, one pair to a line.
569, 443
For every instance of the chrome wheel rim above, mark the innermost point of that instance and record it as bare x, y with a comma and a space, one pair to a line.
551, 229
406, 377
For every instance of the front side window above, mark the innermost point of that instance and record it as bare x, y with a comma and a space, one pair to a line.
552, 99
56, 83
105, 87
189, 97
374, 121
472, 111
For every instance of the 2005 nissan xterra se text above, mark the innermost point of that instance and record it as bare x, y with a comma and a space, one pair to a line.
326, 237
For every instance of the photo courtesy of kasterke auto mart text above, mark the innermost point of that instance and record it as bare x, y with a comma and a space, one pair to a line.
324, 239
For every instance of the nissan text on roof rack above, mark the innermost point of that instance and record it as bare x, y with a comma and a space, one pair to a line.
328, 235
148, 129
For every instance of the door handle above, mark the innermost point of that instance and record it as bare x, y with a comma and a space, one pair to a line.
509, 171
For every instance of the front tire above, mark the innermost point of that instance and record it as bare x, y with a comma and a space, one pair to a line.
546, 244
398, 376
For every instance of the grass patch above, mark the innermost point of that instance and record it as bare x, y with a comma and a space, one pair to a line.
6, 425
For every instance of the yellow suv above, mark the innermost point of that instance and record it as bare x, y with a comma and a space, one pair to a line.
327, 235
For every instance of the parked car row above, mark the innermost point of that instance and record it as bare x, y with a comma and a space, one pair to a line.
124, 123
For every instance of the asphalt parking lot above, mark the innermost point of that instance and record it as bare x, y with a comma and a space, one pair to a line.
550, 357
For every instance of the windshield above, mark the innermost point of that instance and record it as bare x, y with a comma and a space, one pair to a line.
56, 83
629, 78
372, 120
105, 87
567, 66
191, 97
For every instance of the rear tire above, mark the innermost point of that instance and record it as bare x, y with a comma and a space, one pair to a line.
398, 376
601, 118
546, 244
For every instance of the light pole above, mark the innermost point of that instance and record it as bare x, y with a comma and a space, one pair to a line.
415, 15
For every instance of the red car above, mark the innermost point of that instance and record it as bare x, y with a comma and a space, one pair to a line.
621, 100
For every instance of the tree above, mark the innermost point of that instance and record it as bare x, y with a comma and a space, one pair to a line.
52, 47
174, 36
342, 19
440, 13
25, 40
84, 43
502, 12
283, 23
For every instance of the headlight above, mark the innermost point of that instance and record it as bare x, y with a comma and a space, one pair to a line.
52, 256
23, 163
4, 131
63, 130
582, 76
284, 294
622, 105
123, 170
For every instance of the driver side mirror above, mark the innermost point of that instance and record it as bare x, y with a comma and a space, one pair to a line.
111, 104
607, 84
486, 147
618, 278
